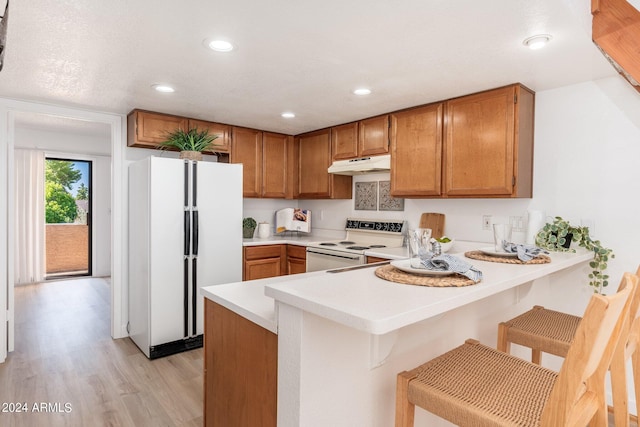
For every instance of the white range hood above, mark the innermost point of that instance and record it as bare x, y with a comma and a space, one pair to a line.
362, 165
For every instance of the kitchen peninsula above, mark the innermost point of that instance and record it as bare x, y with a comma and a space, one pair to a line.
341, 338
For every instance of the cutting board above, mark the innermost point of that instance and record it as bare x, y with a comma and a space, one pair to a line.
434, 221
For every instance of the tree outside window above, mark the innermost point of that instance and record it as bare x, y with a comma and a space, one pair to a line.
60, 204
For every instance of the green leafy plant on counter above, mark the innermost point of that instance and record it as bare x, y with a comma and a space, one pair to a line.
248, 227
189, 140
558, 235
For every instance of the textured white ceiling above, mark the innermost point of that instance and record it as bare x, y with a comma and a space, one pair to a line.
302, 56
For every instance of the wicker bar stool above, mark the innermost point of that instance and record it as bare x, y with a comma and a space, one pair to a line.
475, 385
549, 331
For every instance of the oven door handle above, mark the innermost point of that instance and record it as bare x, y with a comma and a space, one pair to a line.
353, 257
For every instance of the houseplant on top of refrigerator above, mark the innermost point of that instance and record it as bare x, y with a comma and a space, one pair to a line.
558, 235
191, 143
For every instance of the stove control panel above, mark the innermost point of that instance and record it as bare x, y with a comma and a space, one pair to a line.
390, 226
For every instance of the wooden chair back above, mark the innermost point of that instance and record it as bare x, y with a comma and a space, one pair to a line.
578, 393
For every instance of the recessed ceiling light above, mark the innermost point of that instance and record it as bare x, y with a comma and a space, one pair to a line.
163, 88
219, 45
362, 91
538, 41
288, 115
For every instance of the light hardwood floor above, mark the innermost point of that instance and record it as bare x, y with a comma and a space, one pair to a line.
65, 358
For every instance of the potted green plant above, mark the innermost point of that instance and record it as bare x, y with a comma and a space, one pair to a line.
558, 235
191, 143
248, 227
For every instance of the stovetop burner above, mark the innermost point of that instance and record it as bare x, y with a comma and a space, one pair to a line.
328, 244
347, 242
358, 248
377, 246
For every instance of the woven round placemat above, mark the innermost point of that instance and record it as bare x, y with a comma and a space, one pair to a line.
392, 274
479, 255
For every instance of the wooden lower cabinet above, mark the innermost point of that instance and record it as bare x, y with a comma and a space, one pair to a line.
296, 259
260, 262
240, 370
264, 261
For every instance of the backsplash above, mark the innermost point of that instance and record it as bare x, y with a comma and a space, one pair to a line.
463, 216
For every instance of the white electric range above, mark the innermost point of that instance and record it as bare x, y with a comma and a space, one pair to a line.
362, 235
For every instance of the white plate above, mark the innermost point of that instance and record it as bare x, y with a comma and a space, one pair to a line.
490, 250
405, 265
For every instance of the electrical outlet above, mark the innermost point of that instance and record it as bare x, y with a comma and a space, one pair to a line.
517, 223
486, 222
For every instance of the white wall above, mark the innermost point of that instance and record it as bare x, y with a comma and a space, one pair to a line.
82, 147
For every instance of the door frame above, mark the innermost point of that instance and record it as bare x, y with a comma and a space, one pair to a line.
117, 123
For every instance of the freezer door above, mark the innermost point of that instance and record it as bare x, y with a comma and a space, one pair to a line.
167, 226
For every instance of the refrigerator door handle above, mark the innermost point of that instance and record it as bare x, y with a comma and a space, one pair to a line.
185, 298
196, 224
194, 296
187, 233
194, 184
186, 183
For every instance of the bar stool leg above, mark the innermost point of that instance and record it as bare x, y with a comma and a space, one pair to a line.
536, 356
619, 388
405, 410
504, 345
635, 364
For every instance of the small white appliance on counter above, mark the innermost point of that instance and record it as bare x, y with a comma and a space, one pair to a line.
184, 233
362, 234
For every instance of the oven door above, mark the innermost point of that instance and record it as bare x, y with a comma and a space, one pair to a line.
325, 259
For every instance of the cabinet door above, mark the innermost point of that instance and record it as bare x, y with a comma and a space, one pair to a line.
263, 261
344, 141
296, 259
147, 129
373, 136
222, 142
274, 165
479, 144
246, 148
314, 158
416, 151
262, 268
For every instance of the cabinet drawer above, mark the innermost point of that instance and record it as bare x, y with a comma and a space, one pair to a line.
258, 252
295, 251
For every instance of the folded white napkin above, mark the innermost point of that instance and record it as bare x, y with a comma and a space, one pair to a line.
446, 262
525, 252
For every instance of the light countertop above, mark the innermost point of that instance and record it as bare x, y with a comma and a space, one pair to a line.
287, 239
361, 300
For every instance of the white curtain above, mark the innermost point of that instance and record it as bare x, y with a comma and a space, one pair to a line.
29, 255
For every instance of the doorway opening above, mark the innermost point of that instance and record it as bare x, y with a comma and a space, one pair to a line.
68, 218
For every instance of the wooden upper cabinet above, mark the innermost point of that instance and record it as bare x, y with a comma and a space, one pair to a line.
147, 129
222, 143
416, 152
314, 158
246, 148
373, 136
488, 148
368, 137
274, 165
344, 141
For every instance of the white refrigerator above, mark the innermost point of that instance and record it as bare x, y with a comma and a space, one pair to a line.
185, 232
